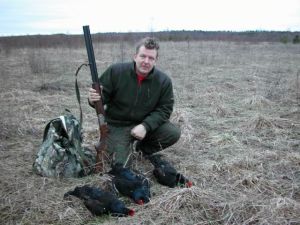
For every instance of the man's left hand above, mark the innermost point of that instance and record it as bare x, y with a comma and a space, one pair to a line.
139, 132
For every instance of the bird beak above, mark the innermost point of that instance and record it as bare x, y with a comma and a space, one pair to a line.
131, 212
189, 184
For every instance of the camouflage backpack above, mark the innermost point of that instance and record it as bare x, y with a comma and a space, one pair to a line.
61, 153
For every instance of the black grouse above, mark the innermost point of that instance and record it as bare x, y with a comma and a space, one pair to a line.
131, 184
166, 174
100, 202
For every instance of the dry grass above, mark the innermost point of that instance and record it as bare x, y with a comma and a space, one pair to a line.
237, 106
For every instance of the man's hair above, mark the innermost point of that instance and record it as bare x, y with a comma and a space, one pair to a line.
149, 43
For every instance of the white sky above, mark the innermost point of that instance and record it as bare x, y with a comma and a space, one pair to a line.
18, 17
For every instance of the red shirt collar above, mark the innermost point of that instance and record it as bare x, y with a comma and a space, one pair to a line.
140, 78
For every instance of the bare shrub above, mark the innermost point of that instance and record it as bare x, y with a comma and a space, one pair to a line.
5, 49
38, 62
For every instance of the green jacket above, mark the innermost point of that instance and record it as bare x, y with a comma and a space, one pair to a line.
128, 103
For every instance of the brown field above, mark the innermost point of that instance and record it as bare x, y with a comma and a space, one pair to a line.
238, 105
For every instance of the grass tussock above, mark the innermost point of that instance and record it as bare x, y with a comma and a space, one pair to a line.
261, 122
257, 101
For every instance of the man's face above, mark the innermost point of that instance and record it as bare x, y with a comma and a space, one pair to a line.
145, 60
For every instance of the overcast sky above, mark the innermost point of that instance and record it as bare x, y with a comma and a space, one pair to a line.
19, 17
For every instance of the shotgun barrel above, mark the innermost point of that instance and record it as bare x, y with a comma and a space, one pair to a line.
101, 146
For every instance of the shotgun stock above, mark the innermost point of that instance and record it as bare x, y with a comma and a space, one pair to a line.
101, 146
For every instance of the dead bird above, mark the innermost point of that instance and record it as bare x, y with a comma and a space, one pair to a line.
166, 174
100, 202
129, 183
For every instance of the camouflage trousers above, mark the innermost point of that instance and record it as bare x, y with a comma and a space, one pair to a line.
120, 141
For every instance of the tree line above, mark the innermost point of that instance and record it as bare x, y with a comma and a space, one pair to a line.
77, 41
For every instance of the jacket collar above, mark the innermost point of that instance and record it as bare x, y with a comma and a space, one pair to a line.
150, 75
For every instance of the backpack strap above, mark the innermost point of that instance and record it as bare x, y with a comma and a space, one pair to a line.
47, 128
78, 92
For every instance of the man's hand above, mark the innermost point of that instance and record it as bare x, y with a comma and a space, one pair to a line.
139, 132
93, 96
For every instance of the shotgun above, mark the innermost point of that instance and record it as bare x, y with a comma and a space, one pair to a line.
101, 146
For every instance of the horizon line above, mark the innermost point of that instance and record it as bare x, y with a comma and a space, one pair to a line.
160, 31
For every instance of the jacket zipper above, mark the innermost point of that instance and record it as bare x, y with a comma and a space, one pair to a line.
136, 99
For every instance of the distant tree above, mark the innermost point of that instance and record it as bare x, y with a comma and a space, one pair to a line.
284, 39
296, 39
